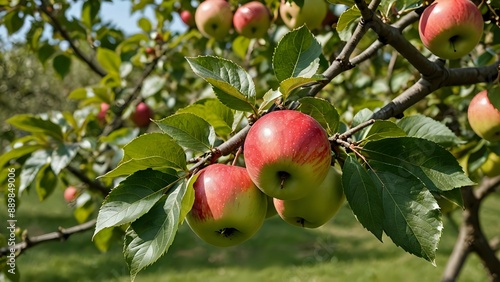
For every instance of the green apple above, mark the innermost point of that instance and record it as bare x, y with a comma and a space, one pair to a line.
484, 117
228, 208
287, 154
317, 208
451, 29
312, 13
214, 18
252, 20
491, 167
445, 205
271, 211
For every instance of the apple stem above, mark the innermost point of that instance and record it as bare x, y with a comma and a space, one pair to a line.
283, 175
301, 221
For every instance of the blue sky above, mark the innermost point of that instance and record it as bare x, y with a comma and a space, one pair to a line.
117, 12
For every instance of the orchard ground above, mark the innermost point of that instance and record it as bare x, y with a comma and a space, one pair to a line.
339, 251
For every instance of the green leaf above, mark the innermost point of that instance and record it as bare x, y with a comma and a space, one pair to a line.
84, 209
424, 127
90, 10
106, 237
62, 156
383, 129
231, 83
150, 236
133, 197
144, 24
153, 150
346, 21
61, 64
31, 167
14, 20
434, 166
109, 60
297, 55
121, 136
45, 52
45, 182
412, 217
215, 113
363, 195
189, 130
17, 153
290, 84
240, 46
321, 110
152, 85
35, 124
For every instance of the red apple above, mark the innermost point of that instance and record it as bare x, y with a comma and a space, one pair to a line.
287, 154
187, 18
252, 19
483, 117
101, 116
214, 18
142, 115
70, 194
228, 208
451, 29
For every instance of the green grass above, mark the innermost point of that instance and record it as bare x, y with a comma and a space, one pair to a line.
339, 251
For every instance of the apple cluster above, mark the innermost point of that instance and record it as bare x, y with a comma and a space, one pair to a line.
215, 18
287, 171
451, 29
141, 116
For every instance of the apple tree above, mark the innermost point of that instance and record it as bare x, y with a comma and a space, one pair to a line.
387, 83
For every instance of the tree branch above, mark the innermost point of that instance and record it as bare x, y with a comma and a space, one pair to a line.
93, 184
62, 234
64, 33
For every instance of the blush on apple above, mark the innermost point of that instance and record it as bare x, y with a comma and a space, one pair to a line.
252, 20
451, 29
187, 18
70, 194
287, 154
228, 208
484, 118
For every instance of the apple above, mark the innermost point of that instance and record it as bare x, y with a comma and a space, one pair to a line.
445, 205
287, 154
70, 194
142, 115
491, 167
271, 211
252, 20
187, 18
101, 116
451, 29
317, 208
214, 18
228, 208
312, 13
483, 117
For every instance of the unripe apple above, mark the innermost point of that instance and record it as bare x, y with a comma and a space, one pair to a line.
214, 18
252, 19
491, 167
317, 208
70, 194
445, 205
142, 115
312, 13
101, 116
228, 208
451, 29
287, 154
187, 18
483, 117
